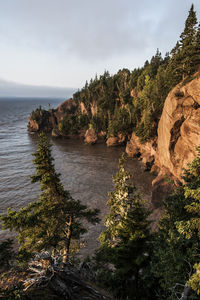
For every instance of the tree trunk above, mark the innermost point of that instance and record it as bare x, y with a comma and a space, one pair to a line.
185, 293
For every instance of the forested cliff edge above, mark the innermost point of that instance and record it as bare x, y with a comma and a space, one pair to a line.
153, 110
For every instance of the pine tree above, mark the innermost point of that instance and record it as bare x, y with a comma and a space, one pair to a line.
188, 35
197, 49
173, 253
177, 244
7, 253
187, 44
55, 218
184, 59
190, 228
125, 243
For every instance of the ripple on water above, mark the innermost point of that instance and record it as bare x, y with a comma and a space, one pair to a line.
86, 171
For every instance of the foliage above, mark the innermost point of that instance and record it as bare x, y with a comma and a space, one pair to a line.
54, 220
41, 116
133, 100
7, 253
71, 124
177, 243
194, 280
123, 259
13, 293
173, 253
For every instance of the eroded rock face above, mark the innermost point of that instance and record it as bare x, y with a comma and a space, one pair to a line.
146, 150
90, 137
83, 108
67, 105
43, 123
179, 128
94, 108
33, 126
114, 141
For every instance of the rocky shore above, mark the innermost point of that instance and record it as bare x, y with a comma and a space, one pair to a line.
166, 154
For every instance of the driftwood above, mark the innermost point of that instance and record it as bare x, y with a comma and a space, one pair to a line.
186, 292
67, 282
181, 295
68, 285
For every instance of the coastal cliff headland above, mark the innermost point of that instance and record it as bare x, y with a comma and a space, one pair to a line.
166, 153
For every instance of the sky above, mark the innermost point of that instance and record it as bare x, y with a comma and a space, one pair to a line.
63, 43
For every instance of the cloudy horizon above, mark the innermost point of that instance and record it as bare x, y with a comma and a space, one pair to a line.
62, 43
16, 89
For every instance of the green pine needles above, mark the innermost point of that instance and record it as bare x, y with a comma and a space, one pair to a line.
124, 256
176, 248
55, 219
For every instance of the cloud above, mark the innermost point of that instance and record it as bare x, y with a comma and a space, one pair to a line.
90, 29
91, 34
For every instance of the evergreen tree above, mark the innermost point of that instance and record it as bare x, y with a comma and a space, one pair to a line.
173, 253
188, 35
55, 218
186, 57
197, 49
177, 245
7, 253
190, 228
125, 244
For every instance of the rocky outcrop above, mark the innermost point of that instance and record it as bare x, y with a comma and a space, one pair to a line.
178, 133
178, 137
90, 137
48, 120
146, 151
179, 128
67, 107
83, 108
114, 141
134, 93
41, 120
33, 126
94, 108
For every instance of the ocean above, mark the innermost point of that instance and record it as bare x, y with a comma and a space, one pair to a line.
86, 171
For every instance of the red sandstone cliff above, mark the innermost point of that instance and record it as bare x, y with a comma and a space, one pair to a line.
179, 128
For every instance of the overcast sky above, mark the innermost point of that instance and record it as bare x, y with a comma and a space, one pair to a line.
63, 43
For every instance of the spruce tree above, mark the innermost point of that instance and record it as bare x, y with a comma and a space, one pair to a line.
177, 244
190, 228
55, 218
197, 49
173, 253
7, 253
125, 244
186, 57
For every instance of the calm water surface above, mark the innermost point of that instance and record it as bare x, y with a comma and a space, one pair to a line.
86, 171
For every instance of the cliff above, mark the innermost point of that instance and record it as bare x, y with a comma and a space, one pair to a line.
178, 132
48, 121
179, 128
178, 135
166, 153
